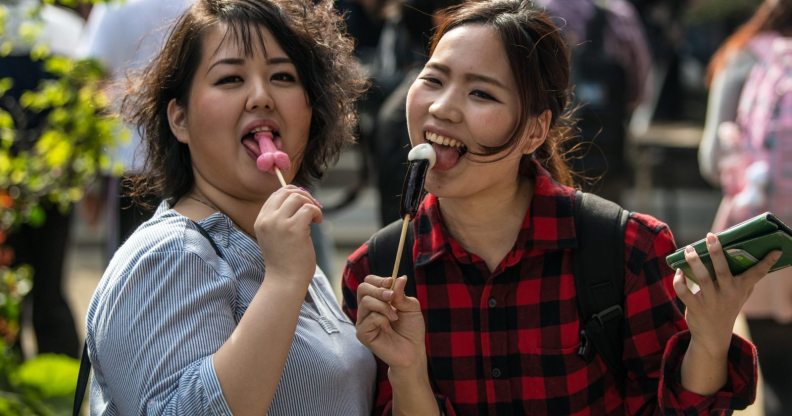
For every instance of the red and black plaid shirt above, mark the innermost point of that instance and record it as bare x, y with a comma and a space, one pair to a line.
505, 342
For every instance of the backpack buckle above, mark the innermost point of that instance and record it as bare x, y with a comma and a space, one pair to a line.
596, 324
585, 351
604, 316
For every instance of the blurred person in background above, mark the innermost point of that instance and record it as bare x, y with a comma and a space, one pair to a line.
611, 67
401, 53
124, 48
746, 142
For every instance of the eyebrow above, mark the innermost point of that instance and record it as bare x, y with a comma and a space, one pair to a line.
469, 76
277, 60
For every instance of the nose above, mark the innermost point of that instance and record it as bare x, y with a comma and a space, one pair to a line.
259, 97
445, 107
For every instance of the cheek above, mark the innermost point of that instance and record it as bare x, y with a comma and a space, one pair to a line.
495, 126
415, 109
206, 110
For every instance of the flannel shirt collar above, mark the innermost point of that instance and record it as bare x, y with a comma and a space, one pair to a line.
548, 224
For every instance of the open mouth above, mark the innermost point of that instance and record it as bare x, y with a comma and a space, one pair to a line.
252, 145
448, 150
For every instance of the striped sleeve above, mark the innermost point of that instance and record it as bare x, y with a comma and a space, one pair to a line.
163, 320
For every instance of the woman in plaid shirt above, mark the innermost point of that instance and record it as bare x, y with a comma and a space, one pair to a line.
494, 326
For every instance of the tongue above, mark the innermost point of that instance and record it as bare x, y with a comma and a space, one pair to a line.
270, 155
447, 157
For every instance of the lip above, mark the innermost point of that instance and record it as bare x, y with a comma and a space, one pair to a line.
272, 125
441, 132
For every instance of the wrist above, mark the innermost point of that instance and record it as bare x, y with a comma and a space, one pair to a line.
412, 391
711, 351
285, 286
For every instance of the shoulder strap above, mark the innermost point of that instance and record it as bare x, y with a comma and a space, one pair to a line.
382, 247
82, 380
599, 278
85, 362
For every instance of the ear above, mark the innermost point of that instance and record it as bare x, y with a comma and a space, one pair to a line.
537, 132
177, 119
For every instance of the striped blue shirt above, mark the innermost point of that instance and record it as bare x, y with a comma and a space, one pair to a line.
167, 302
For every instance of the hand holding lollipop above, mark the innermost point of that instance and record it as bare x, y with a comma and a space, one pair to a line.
271, 158
422, 157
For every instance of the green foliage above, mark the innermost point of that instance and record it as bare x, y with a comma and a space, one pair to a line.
52, 169
71, 150
41, 386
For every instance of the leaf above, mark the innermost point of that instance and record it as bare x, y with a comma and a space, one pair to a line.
51, 375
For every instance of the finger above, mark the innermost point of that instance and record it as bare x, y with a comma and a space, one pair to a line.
294, 201
400, 299
683, 291
382, 293
702, 275
374, 305
368, 329
759, 270
722, 273
378, 281
307, 214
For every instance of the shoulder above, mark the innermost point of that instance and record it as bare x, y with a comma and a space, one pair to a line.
168, 237
647, 239
357, 265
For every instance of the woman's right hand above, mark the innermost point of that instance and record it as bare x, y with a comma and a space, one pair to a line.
283, 232
390, 323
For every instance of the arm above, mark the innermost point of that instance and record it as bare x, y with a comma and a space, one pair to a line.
711, 313
657, 337
249, 377
395, 334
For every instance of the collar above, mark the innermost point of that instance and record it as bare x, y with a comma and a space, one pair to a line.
548, 224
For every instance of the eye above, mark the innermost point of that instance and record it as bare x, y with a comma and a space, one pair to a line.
431, 80
283, 77
230, 79
483, 95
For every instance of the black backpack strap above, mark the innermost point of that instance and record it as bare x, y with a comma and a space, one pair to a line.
82, 380
382, 247
85, 362
599, 278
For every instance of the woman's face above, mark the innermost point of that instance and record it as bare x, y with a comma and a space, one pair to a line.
231, 97
466, 97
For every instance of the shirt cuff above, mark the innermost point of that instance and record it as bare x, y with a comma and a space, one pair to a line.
214, 393
741, 378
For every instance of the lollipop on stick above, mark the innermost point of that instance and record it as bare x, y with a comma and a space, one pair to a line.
422, 157
270, 157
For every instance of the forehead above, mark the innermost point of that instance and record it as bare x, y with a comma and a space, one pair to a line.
473, 48
242, 39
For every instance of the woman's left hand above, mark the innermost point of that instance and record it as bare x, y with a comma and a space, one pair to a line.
712, 311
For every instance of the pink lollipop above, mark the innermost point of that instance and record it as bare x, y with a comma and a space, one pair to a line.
271, 158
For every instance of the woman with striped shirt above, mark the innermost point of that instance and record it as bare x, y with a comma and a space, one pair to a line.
215, 305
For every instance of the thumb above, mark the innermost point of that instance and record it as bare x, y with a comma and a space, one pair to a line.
400, 299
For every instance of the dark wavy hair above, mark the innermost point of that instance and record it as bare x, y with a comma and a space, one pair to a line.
540, 61
311, 33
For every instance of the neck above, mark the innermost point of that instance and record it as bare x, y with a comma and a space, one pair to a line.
197, 205
488, 226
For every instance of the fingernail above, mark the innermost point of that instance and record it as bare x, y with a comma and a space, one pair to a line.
776, 255
387, 294
711, 239
689, 249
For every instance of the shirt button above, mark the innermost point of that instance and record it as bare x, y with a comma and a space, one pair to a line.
496, 372
492, 303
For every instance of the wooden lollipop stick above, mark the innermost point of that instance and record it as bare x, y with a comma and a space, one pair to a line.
405, 224
280, 176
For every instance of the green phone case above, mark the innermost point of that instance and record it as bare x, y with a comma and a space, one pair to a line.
744, 244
